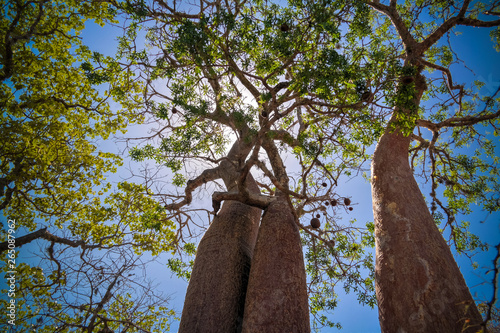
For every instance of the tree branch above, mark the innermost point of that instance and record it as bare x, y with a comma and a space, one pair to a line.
239, 74
192, 184
44, 234
492, 302
276, 183
449, 80
479, 23
467, 120
397, 22
251, 199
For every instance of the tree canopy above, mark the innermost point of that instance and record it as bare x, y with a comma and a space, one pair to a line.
321, 81
55, 112
272, 77
294, 94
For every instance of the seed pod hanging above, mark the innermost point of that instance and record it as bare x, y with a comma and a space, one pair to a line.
315, 223
284, 27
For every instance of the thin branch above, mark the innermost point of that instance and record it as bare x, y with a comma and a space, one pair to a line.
206, 176
44, 234
444, 28
449, 80
492, 302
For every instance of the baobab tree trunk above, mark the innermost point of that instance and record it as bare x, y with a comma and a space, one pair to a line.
277, 298
216, 292
419, 286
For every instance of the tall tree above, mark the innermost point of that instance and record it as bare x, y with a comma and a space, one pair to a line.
419, 285
272, 79
52, 188
217, 289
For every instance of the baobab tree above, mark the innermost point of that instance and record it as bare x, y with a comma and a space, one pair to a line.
419, 286
268, 82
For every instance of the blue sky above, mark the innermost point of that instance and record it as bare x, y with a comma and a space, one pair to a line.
475, 48
352, 316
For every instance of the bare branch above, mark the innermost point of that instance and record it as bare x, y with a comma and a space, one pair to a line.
276, 183
44, 234
206, 176
449, 80
492, 302
251, 199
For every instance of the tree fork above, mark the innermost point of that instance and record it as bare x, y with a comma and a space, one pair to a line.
419, 286
216, 292
277, 299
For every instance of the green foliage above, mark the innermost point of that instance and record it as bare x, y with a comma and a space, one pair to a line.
45, 303
55, 111
51, 112
297, 75
180, 268
342, 260
108, 239
495, 36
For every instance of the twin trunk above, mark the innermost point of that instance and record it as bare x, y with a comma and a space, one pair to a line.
217, 288
276, 297
418, 283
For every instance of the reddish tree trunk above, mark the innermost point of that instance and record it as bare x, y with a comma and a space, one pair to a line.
216, 292
418, 283
277, 298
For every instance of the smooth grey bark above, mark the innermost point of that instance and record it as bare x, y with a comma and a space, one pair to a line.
419, 286
277, 299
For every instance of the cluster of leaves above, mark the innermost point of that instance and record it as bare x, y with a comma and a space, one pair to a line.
51, 112
55, 111
256, 71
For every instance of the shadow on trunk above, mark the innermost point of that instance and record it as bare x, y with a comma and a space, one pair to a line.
277, 298
418, 283
216, 291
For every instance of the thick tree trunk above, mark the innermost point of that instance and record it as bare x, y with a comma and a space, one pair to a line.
216, 292
277, 298
418, 283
